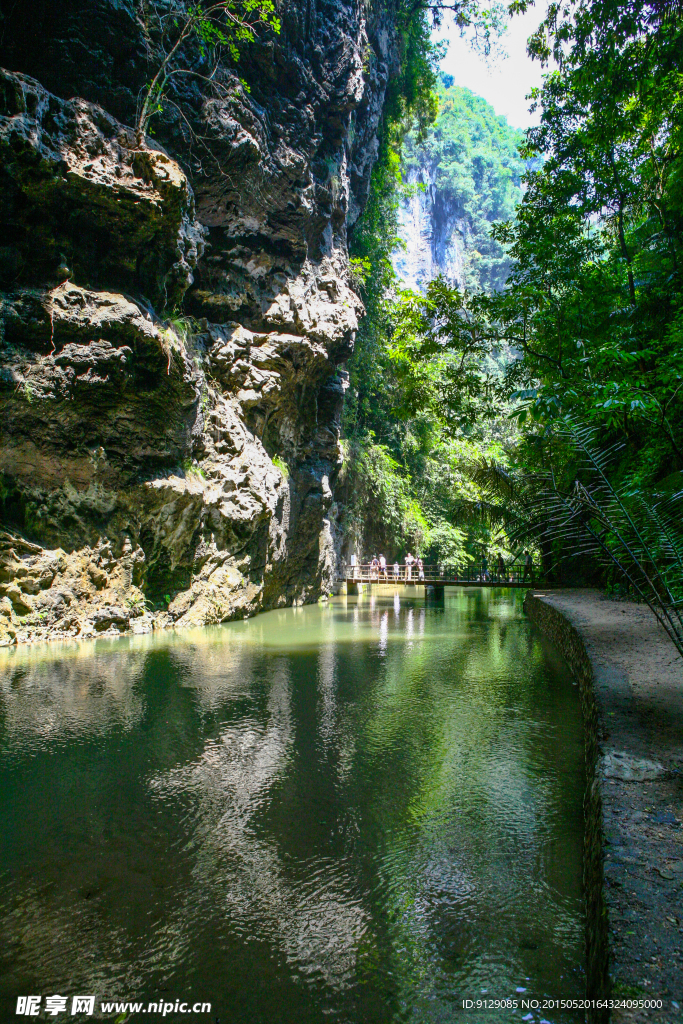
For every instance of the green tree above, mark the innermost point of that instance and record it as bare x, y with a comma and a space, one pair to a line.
411, 421
215, 27
591, 312
595, 294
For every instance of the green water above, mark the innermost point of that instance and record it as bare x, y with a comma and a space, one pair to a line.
364, 812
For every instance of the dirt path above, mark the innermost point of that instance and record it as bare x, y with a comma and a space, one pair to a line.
638, 687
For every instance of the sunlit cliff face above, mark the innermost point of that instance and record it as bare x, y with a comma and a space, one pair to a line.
435, 235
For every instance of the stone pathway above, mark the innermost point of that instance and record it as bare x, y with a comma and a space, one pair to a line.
638, 687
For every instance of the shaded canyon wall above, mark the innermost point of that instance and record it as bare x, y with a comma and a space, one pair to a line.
175, 319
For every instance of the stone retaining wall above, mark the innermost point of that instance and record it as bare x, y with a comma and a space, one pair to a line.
568, 641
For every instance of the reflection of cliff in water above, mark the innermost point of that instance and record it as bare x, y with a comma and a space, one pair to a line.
67, 694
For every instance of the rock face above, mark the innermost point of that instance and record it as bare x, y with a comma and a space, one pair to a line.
465, 176
162, 466
435, 232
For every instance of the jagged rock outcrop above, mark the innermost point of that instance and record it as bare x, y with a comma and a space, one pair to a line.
165, 467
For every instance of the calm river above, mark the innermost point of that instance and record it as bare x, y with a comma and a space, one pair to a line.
362, 812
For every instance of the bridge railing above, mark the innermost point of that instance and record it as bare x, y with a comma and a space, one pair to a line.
516, 572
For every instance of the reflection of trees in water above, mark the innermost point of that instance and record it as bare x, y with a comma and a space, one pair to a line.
435, 735
477, 792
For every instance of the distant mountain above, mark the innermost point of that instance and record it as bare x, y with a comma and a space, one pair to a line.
467, 175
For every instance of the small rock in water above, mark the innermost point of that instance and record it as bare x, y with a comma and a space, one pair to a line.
520, 990
529, 1016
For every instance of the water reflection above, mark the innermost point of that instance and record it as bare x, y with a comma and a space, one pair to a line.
46, 700
355, 813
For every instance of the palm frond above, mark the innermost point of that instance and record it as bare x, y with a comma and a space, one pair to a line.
642, 541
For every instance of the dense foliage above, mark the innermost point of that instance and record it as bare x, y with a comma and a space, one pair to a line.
594, 298
592, 307
588, 329
407, 480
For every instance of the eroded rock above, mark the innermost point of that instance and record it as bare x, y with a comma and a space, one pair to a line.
111, 615
176, 471
83, 203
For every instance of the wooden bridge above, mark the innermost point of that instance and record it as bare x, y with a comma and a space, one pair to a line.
358, 577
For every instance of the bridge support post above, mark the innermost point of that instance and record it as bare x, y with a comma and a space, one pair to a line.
434, 593
355, 587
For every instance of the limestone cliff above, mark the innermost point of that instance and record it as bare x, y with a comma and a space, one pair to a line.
175, 318
463, 177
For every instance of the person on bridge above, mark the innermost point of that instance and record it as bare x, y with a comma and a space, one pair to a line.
383, 566
374, 568
397, 570
420, 570
484, 569
500, 568
410, 562
528, 567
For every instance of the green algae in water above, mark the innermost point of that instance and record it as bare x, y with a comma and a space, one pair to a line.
364, 812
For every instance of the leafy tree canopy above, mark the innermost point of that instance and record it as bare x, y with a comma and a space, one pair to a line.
591, 311
589, 326
411, 418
